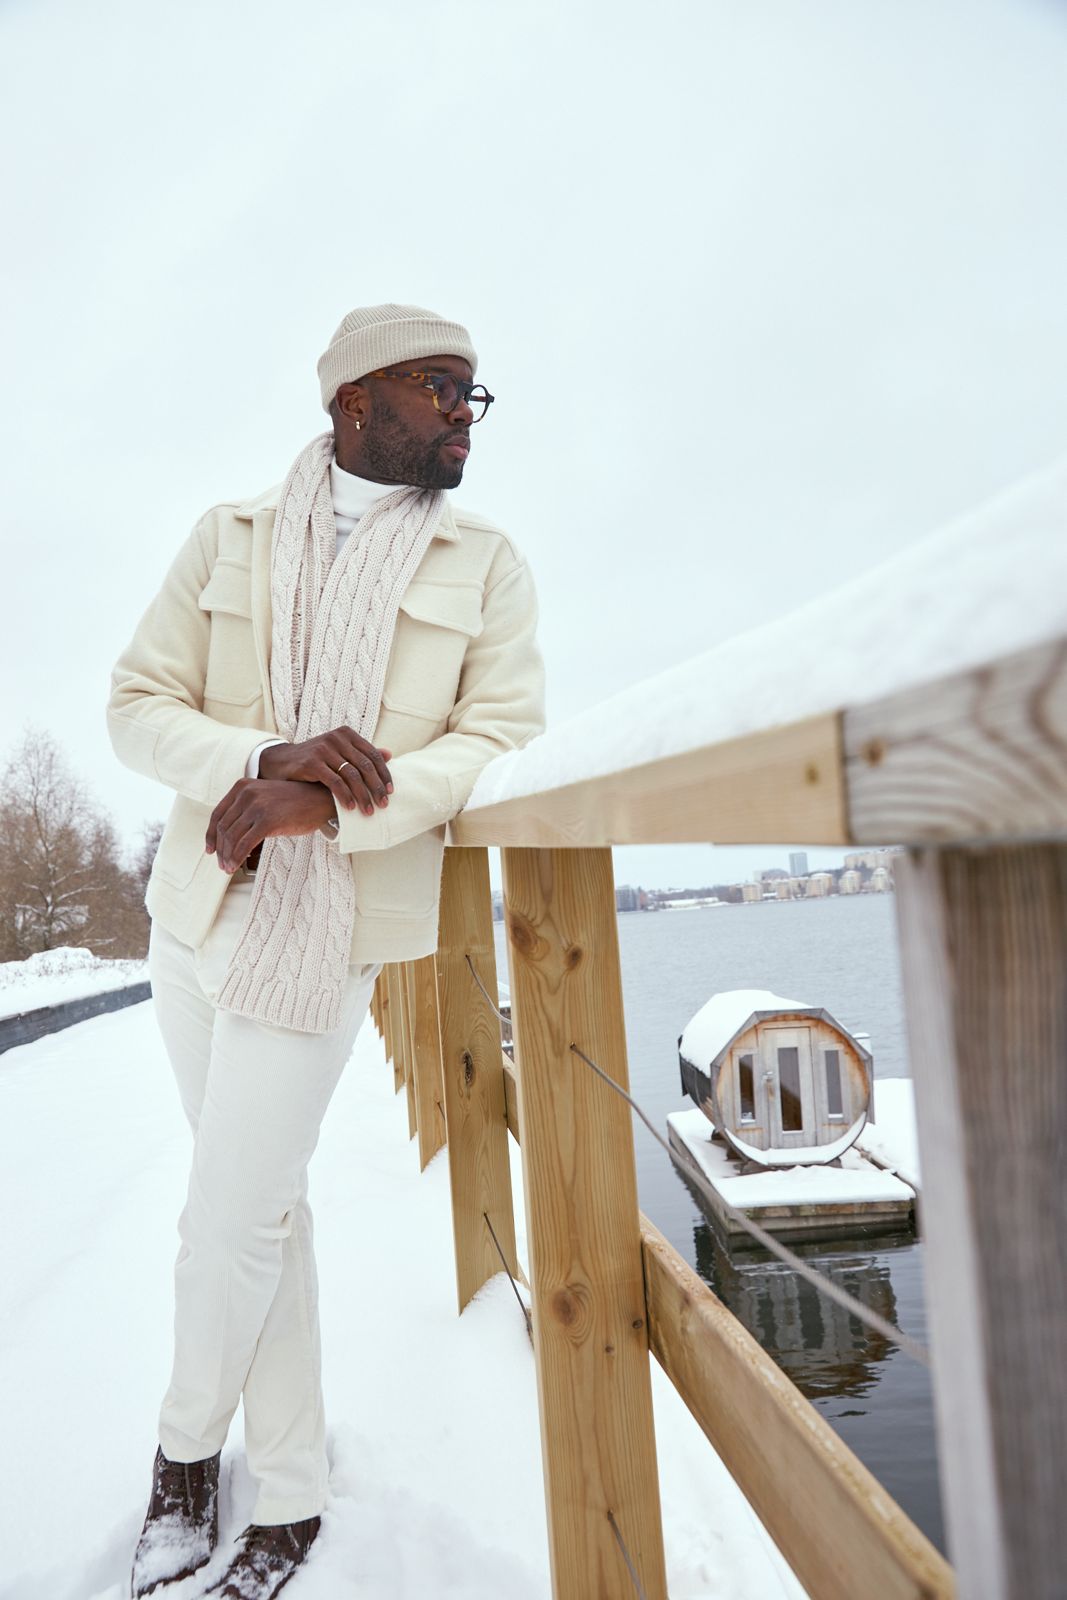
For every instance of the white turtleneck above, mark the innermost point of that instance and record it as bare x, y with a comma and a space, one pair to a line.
352, 499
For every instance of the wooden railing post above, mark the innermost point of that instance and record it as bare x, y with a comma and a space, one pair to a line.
426, 1059
475, 1112
984, 958
407, 1010
392, 1022
590, 1334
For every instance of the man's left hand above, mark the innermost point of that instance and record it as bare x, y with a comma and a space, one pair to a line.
264, 808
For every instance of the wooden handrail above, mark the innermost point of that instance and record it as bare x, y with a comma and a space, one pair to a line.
981, 754
969, 771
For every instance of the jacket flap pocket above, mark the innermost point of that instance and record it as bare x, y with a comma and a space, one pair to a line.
447, 605
229, 588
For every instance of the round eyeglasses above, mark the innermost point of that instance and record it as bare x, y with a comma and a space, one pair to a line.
448, 392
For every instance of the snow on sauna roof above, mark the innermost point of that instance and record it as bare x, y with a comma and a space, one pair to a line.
989, 584
723, 1016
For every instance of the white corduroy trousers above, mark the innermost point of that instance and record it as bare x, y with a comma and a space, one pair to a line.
246, 1293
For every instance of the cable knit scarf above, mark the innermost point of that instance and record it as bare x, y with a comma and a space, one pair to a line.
333, 624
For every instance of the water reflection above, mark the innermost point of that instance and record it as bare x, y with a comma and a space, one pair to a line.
824, 1349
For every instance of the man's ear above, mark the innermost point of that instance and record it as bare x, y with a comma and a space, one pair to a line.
351, 401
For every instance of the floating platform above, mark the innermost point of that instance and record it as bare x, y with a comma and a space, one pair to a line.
851, 1197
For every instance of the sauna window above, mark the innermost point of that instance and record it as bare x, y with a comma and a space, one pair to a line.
834, 1108
747, 1094
789, 1089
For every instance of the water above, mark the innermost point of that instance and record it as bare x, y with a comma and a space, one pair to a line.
839, 953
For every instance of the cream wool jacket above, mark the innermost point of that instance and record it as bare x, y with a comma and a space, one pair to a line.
191, 700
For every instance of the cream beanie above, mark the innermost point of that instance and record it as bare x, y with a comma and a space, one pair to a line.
380, 336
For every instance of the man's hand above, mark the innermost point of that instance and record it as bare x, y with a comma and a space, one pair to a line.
256, 809
351, 768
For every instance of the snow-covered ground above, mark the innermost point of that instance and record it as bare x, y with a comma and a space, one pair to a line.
69, 973
436, 1485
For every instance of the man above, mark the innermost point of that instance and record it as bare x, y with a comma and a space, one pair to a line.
323, 675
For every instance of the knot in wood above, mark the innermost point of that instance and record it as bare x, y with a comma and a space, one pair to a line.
572, 957
873, 752
521, 933
567, 1307
811, 773
468, 1068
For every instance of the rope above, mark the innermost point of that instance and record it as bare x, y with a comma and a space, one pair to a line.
485, 991
819, 1280
636, 1581
523, 1307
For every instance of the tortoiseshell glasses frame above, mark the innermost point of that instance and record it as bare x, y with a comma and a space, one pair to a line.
448, 391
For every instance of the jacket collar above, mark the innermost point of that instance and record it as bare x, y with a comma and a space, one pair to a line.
248, 510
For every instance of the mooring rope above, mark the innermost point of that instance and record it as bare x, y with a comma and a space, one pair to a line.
819, 1280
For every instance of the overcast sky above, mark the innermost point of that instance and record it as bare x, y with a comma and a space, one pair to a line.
766, 292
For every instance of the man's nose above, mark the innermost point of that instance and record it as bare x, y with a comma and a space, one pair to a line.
461, 413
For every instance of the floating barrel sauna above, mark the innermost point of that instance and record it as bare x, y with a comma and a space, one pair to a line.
783, 1082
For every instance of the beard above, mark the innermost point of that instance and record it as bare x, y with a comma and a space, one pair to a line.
392, 452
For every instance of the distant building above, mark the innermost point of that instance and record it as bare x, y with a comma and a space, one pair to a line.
849, 882
798, 863
881, 881
498, 905
751, 893
819, 885
627, 899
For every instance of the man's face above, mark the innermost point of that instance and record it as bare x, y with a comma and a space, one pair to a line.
407, 439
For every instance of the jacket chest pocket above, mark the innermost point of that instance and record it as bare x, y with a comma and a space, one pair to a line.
232, 676
436, 623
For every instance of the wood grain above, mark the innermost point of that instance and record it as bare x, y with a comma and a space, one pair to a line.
590, 1335
479, 1174
426, 1060
844, 1537
979, 755
394, 1024
407, 1042
785, 784
984, 958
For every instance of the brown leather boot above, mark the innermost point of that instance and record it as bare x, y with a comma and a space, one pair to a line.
269, 1556
182, 1526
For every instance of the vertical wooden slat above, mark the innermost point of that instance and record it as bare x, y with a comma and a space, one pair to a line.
590, 1333
405, 1008
392, 1023
475, 1113
426, 1060
984, 957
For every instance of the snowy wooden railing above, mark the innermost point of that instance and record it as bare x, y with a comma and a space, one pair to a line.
954, 744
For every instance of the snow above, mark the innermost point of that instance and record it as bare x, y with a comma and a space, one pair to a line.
711, 1028
436, 1485
991, 583
854, 1182
892, 1139
54, 976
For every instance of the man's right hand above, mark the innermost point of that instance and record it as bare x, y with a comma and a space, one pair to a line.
353, 769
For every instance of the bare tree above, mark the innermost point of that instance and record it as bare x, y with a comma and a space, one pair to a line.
62, 880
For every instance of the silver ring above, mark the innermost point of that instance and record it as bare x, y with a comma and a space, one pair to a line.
341, 768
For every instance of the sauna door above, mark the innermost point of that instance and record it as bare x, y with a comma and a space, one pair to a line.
785, 1055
